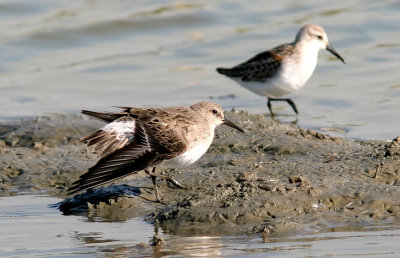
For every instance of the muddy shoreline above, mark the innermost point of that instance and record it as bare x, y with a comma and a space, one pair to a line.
275, 179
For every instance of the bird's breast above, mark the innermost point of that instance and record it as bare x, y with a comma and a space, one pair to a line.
295, 72
199, 140
190, 156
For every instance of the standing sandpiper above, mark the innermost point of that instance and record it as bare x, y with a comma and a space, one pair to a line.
283, 69
142, 138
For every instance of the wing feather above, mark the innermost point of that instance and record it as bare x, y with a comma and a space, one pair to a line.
104, 116
147, 145
261, 67
113, 136
123, 162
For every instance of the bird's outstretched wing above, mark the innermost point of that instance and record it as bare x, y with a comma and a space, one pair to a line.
121, 163
260, 67
151, 143
115, 135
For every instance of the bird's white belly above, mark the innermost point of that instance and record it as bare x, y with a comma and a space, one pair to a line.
290, 77
274, 87
190, 156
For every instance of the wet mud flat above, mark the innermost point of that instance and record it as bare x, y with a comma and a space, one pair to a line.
274, 180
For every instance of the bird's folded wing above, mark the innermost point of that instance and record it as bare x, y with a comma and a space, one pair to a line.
164, 129
260, 67
166, 134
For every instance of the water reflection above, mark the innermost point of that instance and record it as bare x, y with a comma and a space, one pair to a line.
30, 227
202, 246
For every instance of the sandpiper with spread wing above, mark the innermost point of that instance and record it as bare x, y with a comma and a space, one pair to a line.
138, 139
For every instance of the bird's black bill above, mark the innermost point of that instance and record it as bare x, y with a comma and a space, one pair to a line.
333, 51
231, 124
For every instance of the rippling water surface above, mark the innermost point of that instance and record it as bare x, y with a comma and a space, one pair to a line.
62, 56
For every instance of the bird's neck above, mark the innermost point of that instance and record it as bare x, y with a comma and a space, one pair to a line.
307, 48
308, 55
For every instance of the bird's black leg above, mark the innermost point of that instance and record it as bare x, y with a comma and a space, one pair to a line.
153, 179
270, 107
289, 101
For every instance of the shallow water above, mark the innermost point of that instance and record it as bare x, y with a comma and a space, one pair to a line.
63, 56
30, 227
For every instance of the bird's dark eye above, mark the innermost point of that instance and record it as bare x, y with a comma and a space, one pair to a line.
214, 111
319, 37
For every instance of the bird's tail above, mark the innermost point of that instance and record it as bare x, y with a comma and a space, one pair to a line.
230, 72
103, 116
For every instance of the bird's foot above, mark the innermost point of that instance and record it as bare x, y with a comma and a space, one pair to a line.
176, 183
